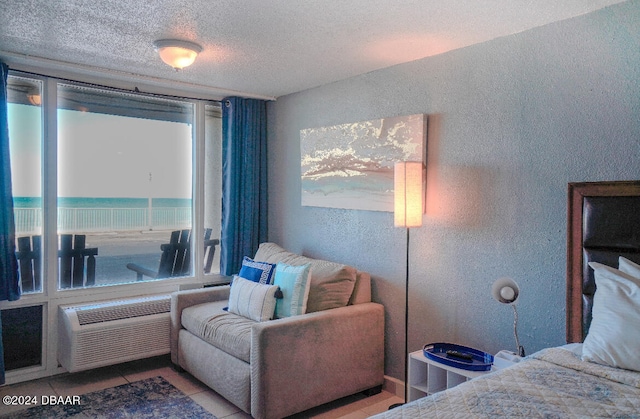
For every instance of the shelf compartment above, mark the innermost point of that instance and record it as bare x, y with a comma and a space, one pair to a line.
436, 379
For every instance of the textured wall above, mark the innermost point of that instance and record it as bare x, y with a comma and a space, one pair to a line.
511, 122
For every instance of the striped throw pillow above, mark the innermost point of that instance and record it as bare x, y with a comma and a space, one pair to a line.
252, 300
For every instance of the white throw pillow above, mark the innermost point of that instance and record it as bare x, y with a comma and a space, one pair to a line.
614, 334
629, 267
252, 300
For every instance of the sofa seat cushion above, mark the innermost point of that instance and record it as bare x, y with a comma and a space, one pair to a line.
331, 283
226, 331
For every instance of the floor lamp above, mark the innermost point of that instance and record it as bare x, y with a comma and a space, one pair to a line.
408, 211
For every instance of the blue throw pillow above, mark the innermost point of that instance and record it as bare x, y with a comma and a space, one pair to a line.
294, 282
260, 272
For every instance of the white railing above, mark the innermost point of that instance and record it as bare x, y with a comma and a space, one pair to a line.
29, 220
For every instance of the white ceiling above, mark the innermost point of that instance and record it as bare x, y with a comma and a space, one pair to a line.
261, 48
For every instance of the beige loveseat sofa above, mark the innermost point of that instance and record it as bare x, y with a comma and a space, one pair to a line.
276, 368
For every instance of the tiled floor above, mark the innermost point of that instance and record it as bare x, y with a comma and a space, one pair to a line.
353, 407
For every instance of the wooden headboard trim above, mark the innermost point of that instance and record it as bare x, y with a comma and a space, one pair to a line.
576, 194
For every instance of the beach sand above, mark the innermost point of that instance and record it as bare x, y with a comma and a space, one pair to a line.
128, 242
116, 249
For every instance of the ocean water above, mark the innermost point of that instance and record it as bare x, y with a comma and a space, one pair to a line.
78, 202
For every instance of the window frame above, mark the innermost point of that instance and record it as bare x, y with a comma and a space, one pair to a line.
49, 144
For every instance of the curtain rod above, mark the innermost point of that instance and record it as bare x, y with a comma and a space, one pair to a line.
121, 90
52, 68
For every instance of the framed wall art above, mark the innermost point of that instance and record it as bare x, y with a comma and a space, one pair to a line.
350, 165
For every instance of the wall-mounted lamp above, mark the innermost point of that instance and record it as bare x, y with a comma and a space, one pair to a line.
506, 291
176, 53
408, 192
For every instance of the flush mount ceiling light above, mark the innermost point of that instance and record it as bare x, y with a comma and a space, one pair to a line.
177, 54
33, 95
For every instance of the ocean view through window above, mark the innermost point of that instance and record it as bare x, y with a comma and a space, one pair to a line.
124, 181
25, 128
113, 161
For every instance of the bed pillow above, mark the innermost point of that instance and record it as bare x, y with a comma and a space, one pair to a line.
629, 267
613, 337
261, 272
252, 300
294, 282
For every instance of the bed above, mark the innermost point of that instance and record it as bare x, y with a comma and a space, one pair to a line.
597, 374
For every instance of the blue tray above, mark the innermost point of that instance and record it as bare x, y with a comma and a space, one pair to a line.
477, 361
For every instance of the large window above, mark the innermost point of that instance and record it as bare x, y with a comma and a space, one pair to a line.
125, 167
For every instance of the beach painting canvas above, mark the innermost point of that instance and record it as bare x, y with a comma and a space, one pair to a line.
350, 165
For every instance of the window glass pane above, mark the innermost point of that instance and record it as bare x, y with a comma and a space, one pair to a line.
25, 143
124, 184
213, 181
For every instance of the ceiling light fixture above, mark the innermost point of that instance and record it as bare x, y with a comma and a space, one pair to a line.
33, 95
177, 54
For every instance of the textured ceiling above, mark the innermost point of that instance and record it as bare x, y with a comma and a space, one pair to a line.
262, 48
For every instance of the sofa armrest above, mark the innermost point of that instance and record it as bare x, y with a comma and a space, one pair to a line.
183, 299
304, 361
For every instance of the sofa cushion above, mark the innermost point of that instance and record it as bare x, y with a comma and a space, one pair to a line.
294, 283
331, 283
362, 290
226, 331
257, 271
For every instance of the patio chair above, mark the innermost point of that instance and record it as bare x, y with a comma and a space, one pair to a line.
30, 262
176, 256
77, 263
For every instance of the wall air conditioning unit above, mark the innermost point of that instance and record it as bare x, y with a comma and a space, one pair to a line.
110, 332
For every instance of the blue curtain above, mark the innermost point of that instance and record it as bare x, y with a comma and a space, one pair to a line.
9, 288
244, 181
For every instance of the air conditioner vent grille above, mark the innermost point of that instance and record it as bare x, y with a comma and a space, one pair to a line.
124, 309
110, 332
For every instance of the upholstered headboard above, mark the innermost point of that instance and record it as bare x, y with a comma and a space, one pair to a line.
603, 224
